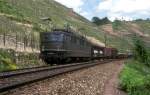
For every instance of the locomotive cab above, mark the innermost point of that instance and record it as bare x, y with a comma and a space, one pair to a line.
52, 45
52, 41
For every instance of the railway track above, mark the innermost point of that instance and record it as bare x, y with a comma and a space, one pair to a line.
14, 79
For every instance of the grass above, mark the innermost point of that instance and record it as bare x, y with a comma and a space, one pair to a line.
7, 8
6, 60
28, 60
145, 26
135, 78
11, 11
120, 26
9, 60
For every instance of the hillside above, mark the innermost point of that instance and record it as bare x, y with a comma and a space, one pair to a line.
128, 29
24, 20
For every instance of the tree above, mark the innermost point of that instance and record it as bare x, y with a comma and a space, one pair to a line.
140, 51
105, 20
98, 21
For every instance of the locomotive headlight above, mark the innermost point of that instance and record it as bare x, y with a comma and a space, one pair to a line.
95, 51
101, 52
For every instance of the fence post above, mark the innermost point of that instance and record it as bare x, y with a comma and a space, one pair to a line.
4, 39
16, 40
31, 41
24, 42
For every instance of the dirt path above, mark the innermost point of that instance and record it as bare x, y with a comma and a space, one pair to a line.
111, 86
97, 80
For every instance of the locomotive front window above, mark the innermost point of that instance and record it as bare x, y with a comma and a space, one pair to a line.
55, 37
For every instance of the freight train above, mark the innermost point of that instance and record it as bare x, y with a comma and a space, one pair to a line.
63, 45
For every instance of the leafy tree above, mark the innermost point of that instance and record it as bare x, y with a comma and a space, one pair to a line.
98, 21
140, 51
105, 20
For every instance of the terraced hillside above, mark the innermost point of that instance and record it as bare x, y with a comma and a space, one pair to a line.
24, 19
128, 29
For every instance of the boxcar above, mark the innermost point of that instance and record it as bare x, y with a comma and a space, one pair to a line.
110, 52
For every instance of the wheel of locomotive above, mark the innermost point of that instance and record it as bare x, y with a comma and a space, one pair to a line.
46, 61
66, 60
50, 61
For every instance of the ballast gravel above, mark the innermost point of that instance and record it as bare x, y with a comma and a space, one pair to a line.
89, 81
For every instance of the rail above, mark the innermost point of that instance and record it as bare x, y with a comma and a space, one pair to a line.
11, 80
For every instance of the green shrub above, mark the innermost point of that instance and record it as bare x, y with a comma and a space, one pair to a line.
116, 24
9, 9
6, 61
135, 78
140, 51
7, 64
13, 12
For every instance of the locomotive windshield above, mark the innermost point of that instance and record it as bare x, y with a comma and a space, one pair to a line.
54, 37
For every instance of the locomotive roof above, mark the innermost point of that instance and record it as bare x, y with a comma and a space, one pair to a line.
64, 30
77, 34
69, 31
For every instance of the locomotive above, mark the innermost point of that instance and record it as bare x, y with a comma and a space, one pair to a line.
63, 45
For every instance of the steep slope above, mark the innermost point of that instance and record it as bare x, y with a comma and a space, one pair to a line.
24, 19
126, 30
32, 11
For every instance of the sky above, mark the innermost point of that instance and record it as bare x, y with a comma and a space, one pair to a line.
113, 9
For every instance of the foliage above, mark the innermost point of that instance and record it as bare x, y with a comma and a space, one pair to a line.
140, 51
99, 21
7, 8
135, 78
6, 61
144, 25
116, 24
38, 28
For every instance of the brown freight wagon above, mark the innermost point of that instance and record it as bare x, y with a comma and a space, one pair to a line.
110, 52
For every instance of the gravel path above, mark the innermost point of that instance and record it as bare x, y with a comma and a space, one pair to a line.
97, 80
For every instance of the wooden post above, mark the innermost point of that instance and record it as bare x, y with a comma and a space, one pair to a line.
4, 39
24, 42
32, 41
16, 40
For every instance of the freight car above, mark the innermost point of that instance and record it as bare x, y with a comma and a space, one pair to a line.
63, 45
110, 52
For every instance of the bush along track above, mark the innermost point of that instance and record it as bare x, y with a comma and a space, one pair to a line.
135, 77
6, 61
12, 60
